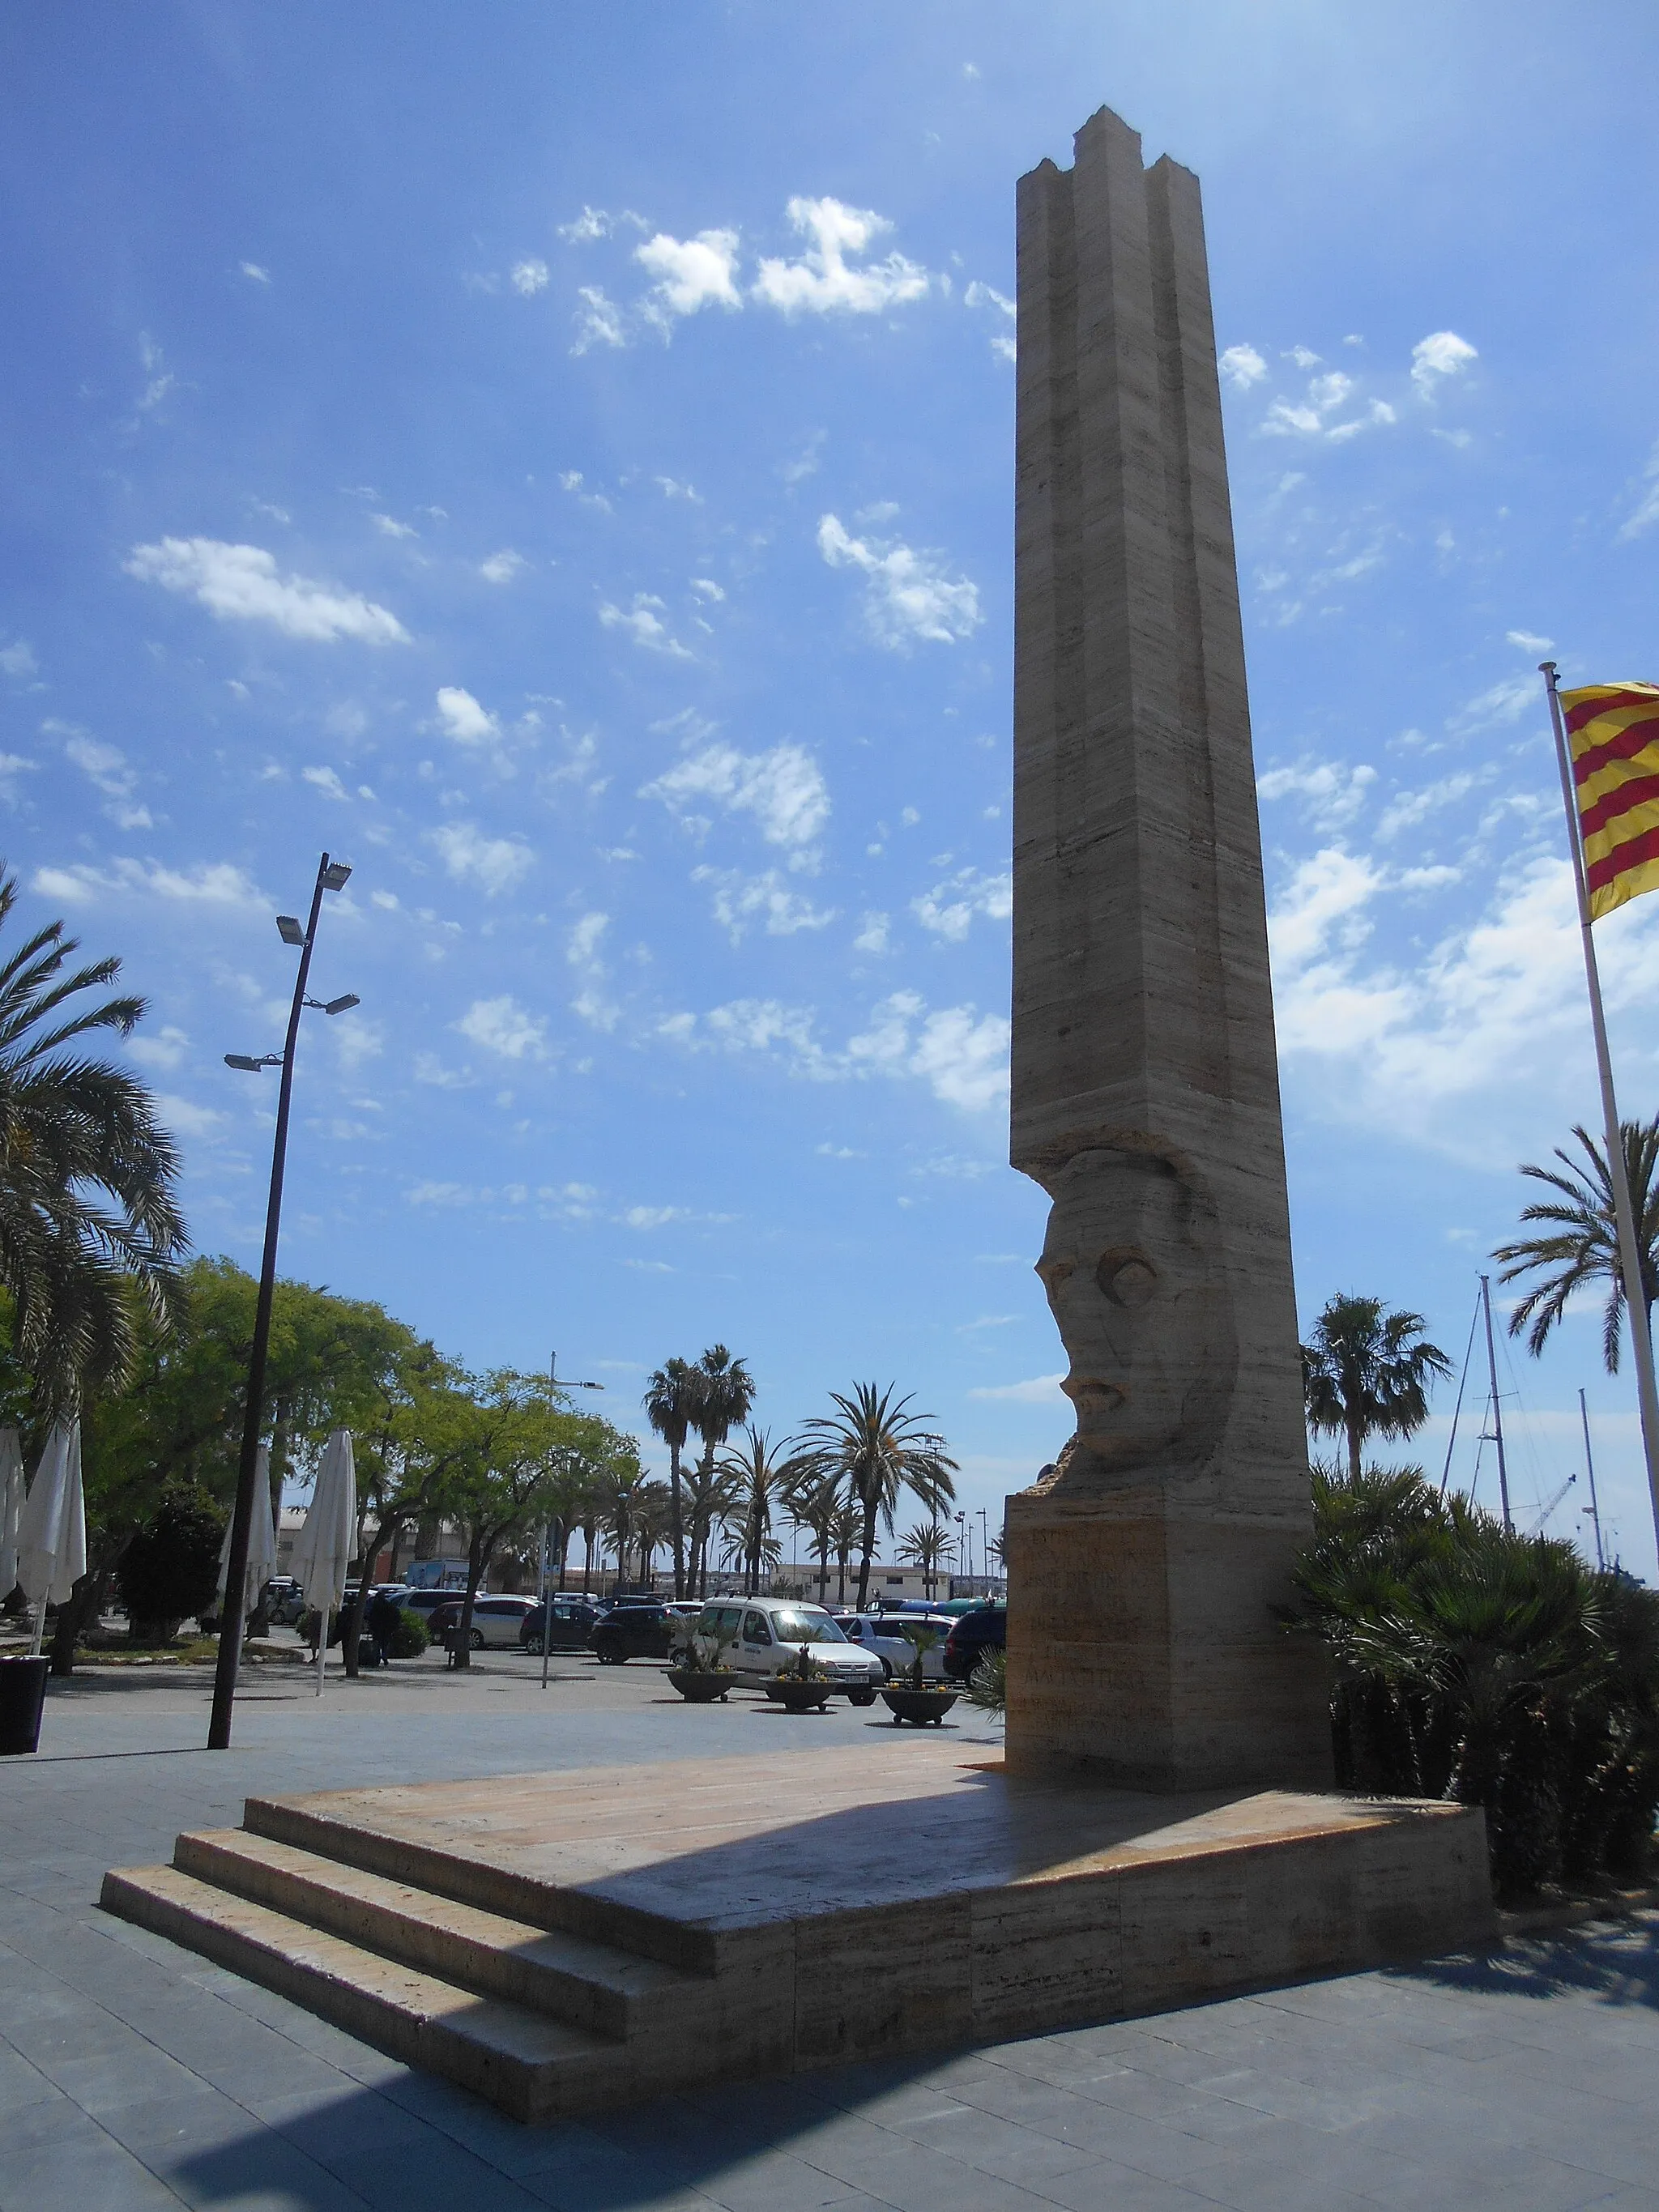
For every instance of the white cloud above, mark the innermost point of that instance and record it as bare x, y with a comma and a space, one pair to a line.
184, 1118
429, 1069
463, 719
873, 934
105, 766
783, 788
1332, 793
326, 781
211, 882
1506, 701
948, 909
389, 526
1002, 339
166, 1048
502, 1026
1303, 356
1528, 640
596, 222
573, 482
654, 1217
585, 938
18, 659
821, 282
241, 583
494, 864
1242, 365
1408, 808
599, 320
672, 488
740, 900
255, 273
707, 588
963, 1059
528, 278
908, 595
501, 567
643, 621
1642, 516
592, 1003
441, 1194
1442, 353
691, 273
1039, 1390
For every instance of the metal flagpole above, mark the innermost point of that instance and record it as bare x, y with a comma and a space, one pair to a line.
1624, 1214
1497, 1409
1589, 1467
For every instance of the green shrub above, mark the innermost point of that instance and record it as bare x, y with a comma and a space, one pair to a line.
987, 1685
170, 1569
1499, 1670
409, 1638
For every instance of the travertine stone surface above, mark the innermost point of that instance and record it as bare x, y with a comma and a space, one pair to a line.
561, 1942
1146, 1089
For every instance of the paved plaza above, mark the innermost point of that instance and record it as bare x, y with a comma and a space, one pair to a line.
133, 2074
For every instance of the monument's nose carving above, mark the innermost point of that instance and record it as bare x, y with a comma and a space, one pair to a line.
1145, 1087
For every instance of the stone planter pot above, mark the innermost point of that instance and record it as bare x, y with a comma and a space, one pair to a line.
699, 1686
920, 1706
797, 1696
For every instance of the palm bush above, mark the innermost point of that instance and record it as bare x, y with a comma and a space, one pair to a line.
1499, 1670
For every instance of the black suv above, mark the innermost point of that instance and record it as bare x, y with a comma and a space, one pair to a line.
572, 1621
985, 1629
633, 1632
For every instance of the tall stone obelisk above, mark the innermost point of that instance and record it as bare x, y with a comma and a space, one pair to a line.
1142, 1570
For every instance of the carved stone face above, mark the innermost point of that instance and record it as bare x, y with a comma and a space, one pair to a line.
1132, 1273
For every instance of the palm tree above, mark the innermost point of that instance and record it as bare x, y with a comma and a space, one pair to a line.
1580, 1245
650, 1518
877, 1450
816, 1506
755, 1475
844, 1531
1367, 1372
925, 1546
725, 1391
669, 1402
90, 1229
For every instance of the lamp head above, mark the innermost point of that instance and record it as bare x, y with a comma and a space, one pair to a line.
340, 1006
242, 1060
335, 876
290, 929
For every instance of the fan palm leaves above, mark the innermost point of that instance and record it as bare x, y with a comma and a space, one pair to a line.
1578, 1245
755, 1474
671, 1402
90, 1229
1367, 1373
874, 1449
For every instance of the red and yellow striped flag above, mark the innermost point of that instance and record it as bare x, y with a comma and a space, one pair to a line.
1613, 730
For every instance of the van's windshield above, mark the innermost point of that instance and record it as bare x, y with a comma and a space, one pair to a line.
805, 1624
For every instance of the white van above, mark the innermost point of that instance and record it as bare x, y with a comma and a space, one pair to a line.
762, 1635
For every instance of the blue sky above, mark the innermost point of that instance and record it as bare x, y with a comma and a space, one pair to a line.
559, 460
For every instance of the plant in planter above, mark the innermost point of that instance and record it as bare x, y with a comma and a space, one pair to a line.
914, 1698
802, 1685
700, 1677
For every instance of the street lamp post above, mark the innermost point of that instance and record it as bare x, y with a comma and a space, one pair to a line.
332, 876
554, 1387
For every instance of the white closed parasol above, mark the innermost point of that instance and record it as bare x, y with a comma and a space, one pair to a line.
11, 1508
52, 1530
324, 1547
261, 1538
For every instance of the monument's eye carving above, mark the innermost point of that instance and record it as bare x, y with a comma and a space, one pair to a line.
1126, 1278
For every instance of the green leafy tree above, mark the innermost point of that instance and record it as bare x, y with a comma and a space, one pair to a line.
91, 1234
671, 1402
876, 1450
170, 1569
1577, 1246
1367, 1373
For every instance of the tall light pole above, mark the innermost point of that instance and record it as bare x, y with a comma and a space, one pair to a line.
332, 876
554, 1387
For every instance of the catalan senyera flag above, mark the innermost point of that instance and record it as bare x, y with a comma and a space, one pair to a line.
1612, 733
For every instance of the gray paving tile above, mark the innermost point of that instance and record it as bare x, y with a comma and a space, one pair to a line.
1106, 2187
83, 2176
441, 2176
991, 2144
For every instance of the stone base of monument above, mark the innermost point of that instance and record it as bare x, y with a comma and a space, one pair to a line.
563, 1942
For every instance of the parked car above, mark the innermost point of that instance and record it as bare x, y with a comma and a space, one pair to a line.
572, 1620
985, 1629
427, 1603
640, 1629
891, 1637
285, 1599
495, 1620
764, 1635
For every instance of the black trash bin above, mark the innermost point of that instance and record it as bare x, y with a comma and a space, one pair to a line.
23, 1694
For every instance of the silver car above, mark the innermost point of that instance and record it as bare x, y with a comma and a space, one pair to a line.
892, 1636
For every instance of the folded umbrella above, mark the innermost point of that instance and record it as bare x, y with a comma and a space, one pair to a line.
11, 1508
328, 1537
261, 1538
52, 1530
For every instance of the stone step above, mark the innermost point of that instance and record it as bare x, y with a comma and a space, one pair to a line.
532, 2067
609, 1992
447, 1872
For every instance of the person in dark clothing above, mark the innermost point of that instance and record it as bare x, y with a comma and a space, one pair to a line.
382, 1621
